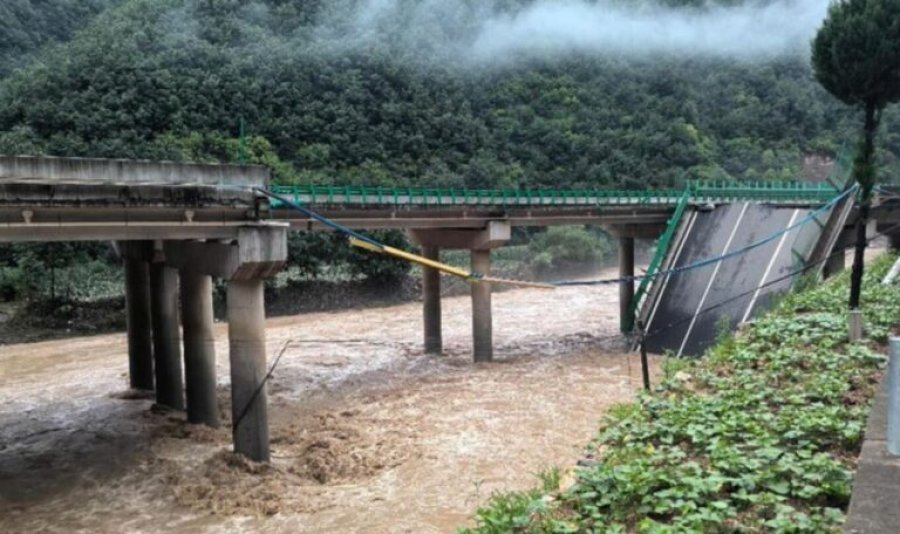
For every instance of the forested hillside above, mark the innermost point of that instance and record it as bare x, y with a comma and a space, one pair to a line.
28, 25
328, 100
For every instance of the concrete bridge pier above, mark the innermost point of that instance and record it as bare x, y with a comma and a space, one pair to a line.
626, 235
431, 302
137, 310
626, 288
258, 253
199, 347
247, 355
479, 242
482, 320
166, 338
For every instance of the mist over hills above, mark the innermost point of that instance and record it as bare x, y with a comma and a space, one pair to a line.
462, 93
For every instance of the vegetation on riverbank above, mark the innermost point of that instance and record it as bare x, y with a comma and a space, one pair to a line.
761, 434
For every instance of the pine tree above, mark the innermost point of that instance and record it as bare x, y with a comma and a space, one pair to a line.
856, 57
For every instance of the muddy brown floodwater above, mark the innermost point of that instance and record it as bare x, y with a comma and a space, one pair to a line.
368, 433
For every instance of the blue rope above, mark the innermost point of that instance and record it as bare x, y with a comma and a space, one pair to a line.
708, 261
324, 220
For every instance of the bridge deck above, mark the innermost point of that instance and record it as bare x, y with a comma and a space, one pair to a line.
93, 199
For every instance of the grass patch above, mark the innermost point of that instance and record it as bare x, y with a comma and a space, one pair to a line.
760, 435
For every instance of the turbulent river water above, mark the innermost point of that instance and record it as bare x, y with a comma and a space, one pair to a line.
368, 433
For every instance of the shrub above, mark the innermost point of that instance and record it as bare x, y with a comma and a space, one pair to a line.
562, 248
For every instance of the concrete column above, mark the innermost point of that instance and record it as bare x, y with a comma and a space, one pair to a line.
247, 352
626, 289
431, 302
199, 348
482, 329
140, 336
894, 240
835, 263
166, 343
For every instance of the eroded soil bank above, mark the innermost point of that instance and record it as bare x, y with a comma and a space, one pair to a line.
368, 433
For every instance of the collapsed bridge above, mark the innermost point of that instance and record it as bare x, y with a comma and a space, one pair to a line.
177, 226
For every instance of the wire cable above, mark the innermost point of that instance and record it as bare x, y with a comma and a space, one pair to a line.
800, 271
714, 259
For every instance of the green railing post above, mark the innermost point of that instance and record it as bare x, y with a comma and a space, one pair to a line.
662, 248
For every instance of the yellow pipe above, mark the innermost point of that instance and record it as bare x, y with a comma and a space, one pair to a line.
365, 245
425, 262
443, 267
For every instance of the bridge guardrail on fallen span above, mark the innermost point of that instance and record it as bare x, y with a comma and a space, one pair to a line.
699, 191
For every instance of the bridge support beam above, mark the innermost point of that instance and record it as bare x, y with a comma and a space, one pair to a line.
247, 355
431, 302
166, 341
482, 321
479, 242
259, 252
199, 348
626, 289
835, 263
140, 335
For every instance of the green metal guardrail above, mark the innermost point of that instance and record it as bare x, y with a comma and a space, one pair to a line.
793, 191
662, 248
701, 191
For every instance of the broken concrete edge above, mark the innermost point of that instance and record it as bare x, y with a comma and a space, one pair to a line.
259, 251
55, 170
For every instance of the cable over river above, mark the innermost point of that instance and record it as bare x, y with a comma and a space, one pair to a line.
368, 433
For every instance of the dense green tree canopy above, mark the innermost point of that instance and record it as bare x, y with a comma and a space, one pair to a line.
172, 78
856, 57
856, 54
27, 25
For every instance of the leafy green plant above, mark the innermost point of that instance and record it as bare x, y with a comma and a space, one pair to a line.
760, 435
